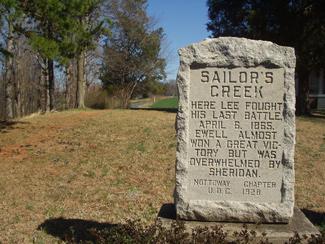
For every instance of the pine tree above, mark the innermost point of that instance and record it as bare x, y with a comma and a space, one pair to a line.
42, 30
83, 26
62, 30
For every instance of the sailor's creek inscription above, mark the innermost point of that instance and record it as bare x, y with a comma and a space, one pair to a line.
236, 134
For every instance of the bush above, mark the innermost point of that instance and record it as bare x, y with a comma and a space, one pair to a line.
135, 232
98, 98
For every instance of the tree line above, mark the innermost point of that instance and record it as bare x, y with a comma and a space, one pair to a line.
52, 51
296, 23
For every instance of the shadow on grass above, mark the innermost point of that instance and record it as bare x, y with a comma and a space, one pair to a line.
5, 126
74, 230
168, 110
80, 231
87, 231
315, 217
168, 211
317, 116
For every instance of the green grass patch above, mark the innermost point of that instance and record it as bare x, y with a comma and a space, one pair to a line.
166, 103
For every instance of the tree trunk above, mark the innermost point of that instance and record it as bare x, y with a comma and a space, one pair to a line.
44, 88
51, 85
303, 103
9, 94
17, 91
69, 82
18, 78
126, 94
39, 90
9, 69
81, 84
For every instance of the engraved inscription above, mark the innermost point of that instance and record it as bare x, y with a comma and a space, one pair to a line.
236, 134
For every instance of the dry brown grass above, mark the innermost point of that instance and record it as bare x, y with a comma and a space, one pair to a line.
310, 164
111, 165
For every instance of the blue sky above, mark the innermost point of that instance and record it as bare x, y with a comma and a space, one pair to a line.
184, 22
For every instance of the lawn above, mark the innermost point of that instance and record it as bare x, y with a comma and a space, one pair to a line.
149, 102
110, 165
166, 103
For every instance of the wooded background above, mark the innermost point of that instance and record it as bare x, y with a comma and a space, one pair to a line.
63, 54
295, 23
59, 54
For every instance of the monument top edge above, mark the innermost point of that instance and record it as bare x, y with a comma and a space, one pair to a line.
232, 40
249, 52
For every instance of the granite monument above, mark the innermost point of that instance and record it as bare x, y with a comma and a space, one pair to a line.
236, 131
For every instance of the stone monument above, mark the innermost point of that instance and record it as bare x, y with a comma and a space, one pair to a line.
236, 131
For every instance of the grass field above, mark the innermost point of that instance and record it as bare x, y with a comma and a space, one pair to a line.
166, 103
148, 102
109, 165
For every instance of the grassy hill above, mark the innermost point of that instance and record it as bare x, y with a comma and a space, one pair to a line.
107, 166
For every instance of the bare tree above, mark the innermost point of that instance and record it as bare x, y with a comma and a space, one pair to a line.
9, 37
132, 55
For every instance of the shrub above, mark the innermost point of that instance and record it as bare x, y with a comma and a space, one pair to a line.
136, 232
98, 98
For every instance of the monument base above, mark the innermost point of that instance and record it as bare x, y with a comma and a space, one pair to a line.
276, 233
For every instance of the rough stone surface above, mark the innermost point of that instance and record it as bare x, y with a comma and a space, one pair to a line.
219, 81
275, 233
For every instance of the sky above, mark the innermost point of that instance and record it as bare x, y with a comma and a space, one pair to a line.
184, 22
